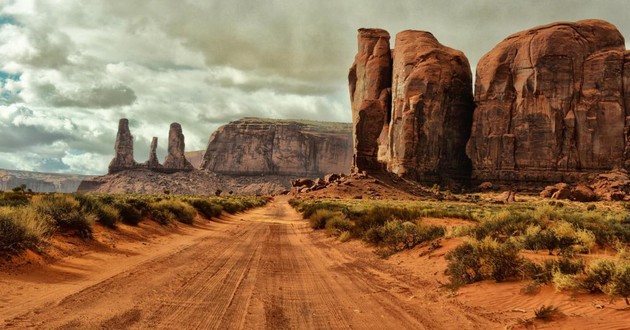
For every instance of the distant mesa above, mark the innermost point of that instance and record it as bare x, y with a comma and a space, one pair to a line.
551, 104
124, 158
255, 146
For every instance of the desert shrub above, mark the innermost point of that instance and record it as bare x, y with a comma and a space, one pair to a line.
484, 259
599, 275
464, 265
543, 272
504, 223
105, 213
308, 209
564, 282
11, 198
128, 213
401, 235
232, 206
459, 231
621, 281
566, 236
338, 224
344, 236
67, 213
168, 210
319, 218
546, 313
23, 227
206, 207
532, 287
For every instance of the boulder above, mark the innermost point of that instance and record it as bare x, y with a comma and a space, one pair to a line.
302, 182
176, 160
563, 191
123, 147
331, 178
614, 185
583, 193
485, 186
432, 109
550, 104
370, 80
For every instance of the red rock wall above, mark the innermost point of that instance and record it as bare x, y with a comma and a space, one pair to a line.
370, 81
550, 104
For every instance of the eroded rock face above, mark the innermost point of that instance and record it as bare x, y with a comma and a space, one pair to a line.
153, 162
123, 157
176, 160
411, 114
551, 104
432, 109
252, 146
370, 81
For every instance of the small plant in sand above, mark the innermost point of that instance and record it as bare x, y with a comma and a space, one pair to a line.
546, 313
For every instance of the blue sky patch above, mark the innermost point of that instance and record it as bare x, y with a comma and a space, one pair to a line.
5, 19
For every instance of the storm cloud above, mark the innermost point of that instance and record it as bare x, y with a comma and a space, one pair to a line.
70, 69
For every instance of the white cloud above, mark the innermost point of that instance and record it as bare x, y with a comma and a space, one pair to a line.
78, 66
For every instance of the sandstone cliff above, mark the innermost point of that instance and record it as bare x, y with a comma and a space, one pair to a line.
252, 146
552, 104
41, 182
411, 113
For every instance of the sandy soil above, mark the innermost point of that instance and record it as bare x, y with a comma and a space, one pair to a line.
260, 269
265, 269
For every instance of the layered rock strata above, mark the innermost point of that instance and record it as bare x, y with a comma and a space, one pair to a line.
552, 104
411, 113
252, 146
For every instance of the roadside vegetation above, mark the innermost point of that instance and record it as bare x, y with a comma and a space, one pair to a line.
499, 242
28, 220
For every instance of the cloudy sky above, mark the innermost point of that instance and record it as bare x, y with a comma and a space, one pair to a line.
69, 69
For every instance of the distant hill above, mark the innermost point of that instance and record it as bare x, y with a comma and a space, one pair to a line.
41, 182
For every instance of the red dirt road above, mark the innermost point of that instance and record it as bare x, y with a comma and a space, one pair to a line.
261, 269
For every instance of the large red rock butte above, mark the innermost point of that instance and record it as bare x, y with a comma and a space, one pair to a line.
422, 132
553, 104
370, 80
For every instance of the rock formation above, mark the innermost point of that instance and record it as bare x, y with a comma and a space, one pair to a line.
432, 108
411, 115
370, 81
123, 158
176, 160
153, 162
552, 104
252, 146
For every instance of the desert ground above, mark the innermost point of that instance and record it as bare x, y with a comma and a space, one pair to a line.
265, 268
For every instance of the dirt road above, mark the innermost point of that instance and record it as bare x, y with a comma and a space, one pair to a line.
264, 269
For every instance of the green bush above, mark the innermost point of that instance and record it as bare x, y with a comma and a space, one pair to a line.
23, 227
102, 208
67, 213
621, 281
128, 213
11, 198
319, 218
543, 272
599, 276
399, 235
484, 259
168, 210
206, 207
338, 224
